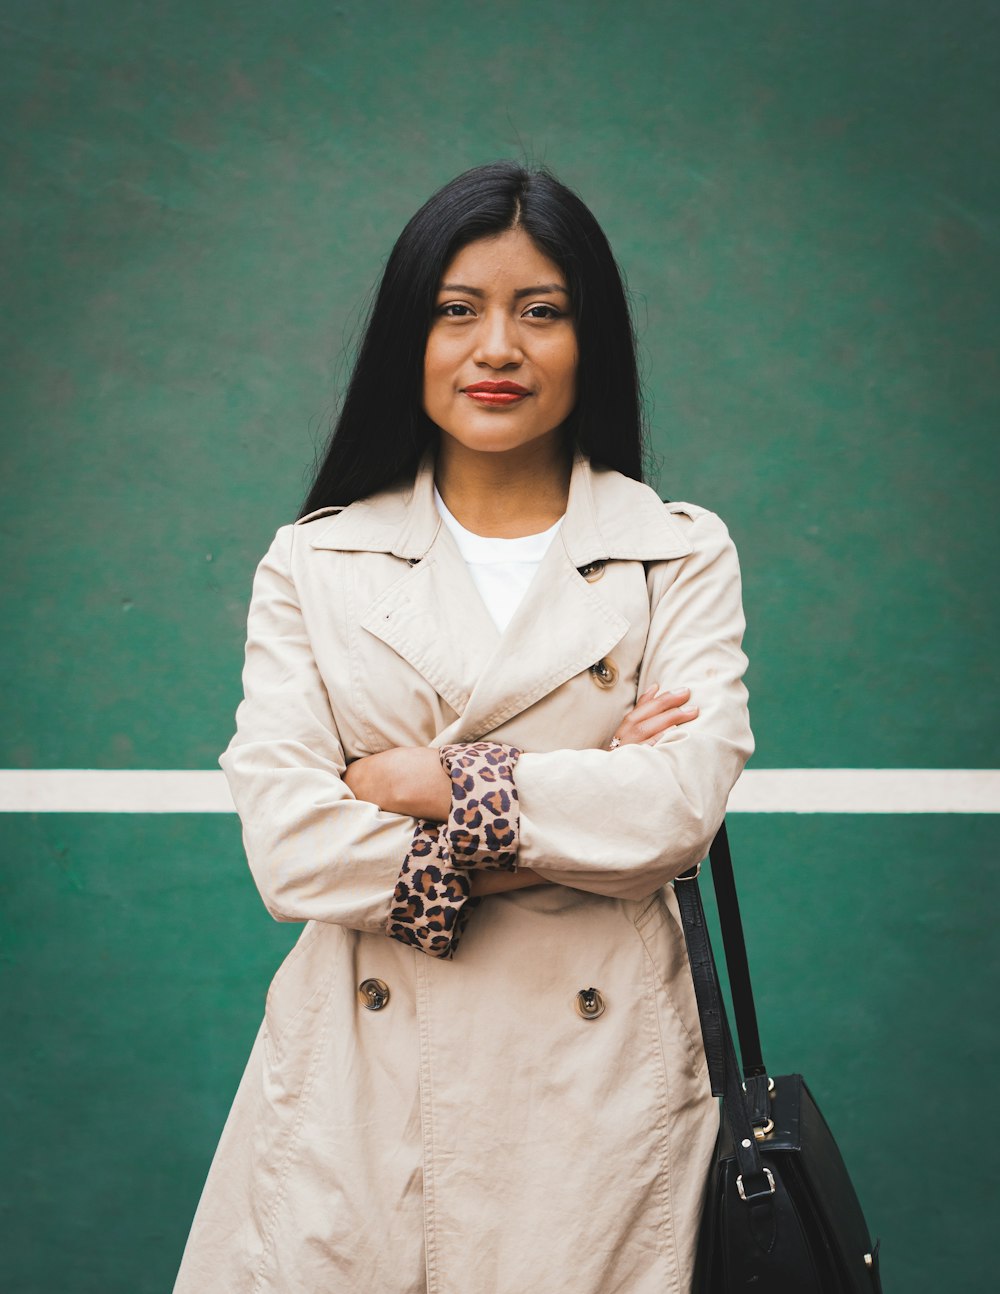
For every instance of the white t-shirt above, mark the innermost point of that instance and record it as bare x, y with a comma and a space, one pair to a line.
501, 569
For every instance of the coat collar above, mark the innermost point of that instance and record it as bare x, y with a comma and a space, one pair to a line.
433, 616
608, 516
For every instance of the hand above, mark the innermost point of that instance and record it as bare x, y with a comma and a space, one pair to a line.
654, 714
406, 779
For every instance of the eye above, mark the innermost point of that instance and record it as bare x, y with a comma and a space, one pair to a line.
454, 310
542, 311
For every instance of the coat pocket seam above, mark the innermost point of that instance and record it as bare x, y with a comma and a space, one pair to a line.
695, 1047
288, 1159
274, 1034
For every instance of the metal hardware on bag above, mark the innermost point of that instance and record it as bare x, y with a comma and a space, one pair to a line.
693, 876
592, 571
764, 1131
373, 994
739, 1183
770, 1081
869, 1260
604, 672
589, 1003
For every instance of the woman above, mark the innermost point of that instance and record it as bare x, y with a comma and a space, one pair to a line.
493, 705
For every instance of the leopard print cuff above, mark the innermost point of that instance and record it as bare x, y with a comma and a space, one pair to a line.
433, 896
483, 824
431, 902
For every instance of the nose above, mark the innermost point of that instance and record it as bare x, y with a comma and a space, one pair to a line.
497, 341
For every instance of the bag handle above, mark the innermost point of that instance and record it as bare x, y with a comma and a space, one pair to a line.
755, 1183
756, 1081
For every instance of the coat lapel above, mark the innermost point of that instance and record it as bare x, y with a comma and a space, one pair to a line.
565, 624
434, 618
561, 627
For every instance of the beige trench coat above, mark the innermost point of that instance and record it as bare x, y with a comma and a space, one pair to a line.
477, 1135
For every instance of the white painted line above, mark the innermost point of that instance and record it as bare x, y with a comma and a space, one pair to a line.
99, 790
765, 790
867, 790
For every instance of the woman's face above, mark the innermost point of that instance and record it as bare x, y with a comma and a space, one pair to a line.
500, 364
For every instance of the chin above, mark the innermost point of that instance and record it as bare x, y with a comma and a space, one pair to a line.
496, 444
496, 439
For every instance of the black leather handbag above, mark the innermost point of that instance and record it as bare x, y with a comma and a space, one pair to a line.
781, 1215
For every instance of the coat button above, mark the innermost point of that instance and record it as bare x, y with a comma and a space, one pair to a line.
604, 673
592, 571
589, 1003
373, 994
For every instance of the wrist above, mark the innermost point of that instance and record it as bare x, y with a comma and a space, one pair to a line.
423, 786
496, 882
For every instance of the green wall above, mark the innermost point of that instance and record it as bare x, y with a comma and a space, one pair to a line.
197, 198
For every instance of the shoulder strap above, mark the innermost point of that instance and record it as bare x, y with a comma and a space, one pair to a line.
738, 1101
735, 948
706, 983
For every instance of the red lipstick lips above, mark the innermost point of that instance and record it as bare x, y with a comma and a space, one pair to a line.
497, 394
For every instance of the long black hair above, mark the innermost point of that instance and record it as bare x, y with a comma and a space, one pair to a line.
382, 429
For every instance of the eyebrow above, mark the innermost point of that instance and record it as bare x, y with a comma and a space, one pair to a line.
521, 292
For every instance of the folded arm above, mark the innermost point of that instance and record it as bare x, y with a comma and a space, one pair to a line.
412, 780
315, 851
622, 823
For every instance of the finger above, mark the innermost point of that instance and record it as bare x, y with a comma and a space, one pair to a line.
656, 704
632, 727
634, 732
670, 695
682, 717
648, 717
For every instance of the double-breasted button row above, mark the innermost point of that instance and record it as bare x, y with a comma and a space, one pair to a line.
373, 995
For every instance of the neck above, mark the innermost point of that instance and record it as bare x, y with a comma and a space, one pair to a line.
504, 495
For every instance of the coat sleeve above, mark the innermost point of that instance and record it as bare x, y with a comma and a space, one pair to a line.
624, 822
316, 853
